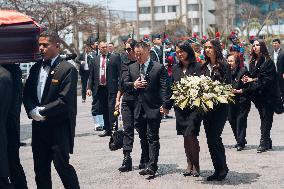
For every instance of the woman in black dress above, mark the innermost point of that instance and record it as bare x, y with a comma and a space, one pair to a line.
238, 112
188, 120
217, 68
262, 88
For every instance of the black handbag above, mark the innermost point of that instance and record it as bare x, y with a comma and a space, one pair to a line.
19, 36
116, 140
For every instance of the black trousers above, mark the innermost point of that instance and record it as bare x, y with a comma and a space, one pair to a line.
214, 123
148, 130
103, 104
49, 147
237, 116
127, 111
266, 113
84, 81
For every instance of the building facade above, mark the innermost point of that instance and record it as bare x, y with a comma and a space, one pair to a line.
195, 14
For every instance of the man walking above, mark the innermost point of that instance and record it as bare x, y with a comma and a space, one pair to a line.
50, 99
149, 81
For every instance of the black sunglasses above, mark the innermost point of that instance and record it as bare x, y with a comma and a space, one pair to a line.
128, 49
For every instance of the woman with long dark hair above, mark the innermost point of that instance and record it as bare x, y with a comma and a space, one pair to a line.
188, 120
216, 68
262, 88
238, 111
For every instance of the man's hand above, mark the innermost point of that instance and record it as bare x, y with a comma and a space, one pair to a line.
36, 115
117, 105
89, 92
140, 84
283, 76
164, 111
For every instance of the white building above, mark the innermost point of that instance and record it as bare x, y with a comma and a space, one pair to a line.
196, 14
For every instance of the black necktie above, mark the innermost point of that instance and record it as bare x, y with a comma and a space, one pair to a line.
46, 63
142, 70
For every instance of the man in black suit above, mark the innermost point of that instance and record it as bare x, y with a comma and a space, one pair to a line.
6, 93
278, 57
84, 70
17, 177
50, 99
149, 81
103, 86
156, 52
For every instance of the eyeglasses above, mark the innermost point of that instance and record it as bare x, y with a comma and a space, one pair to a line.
208, 47
128, 49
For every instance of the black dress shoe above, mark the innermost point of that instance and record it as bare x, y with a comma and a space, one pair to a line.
126, 164
261, 149
187, 173
218, 177
142, 166
240, 148
147, 171
105, 133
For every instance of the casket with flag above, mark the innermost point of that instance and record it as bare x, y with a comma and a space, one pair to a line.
18, 38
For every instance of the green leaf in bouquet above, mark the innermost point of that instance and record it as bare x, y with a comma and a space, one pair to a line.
197, 102
183, 103
222, 99
209, 104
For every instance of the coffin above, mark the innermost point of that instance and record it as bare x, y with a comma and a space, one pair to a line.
18, 38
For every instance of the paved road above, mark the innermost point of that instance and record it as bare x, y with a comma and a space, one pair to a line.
97, 166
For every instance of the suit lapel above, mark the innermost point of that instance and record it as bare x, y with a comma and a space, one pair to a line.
49, 77
149, 68
35, 81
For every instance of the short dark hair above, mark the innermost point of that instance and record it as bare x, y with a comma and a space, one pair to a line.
276, 40
52, 36
142, 44
132, 43
186, 47
111, 43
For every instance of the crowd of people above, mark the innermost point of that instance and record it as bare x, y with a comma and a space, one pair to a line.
137, 83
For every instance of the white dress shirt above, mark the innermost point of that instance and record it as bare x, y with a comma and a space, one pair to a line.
275, 56
43, 74
86, 66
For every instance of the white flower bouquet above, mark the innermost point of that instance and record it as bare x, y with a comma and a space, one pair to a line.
201, 92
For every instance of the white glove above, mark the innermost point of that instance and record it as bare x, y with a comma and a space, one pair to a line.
36, 115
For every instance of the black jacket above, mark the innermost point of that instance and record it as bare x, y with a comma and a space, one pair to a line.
265, 86
59, 97
156, 92
113, 69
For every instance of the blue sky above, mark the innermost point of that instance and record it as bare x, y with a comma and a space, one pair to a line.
129, 5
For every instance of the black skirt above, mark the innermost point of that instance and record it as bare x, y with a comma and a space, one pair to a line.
188, 121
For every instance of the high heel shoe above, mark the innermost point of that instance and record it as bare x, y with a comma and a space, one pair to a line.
195, 173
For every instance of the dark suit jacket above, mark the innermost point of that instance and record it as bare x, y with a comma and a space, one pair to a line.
193, 69
154, 95
222, 74
112, 74
59, 96
156, 51
238, 84
280, 63
264, 87
90, 58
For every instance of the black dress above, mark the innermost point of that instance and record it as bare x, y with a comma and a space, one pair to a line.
188, 120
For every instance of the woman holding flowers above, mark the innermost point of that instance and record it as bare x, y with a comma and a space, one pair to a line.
188, 120
214, 121
262, 88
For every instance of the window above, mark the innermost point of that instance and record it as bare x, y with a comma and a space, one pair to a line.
159, 22
144, 10
172, 8
159, 9
145, 24
195, 21
193, 7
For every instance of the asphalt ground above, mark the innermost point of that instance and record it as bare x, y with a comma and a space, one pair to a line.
97, 166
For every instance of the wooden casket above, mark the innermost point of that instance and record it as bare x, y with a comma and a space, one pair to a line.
19, 36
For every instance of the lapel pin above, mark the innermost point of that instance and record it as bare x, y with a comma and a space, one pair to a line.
52, 72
